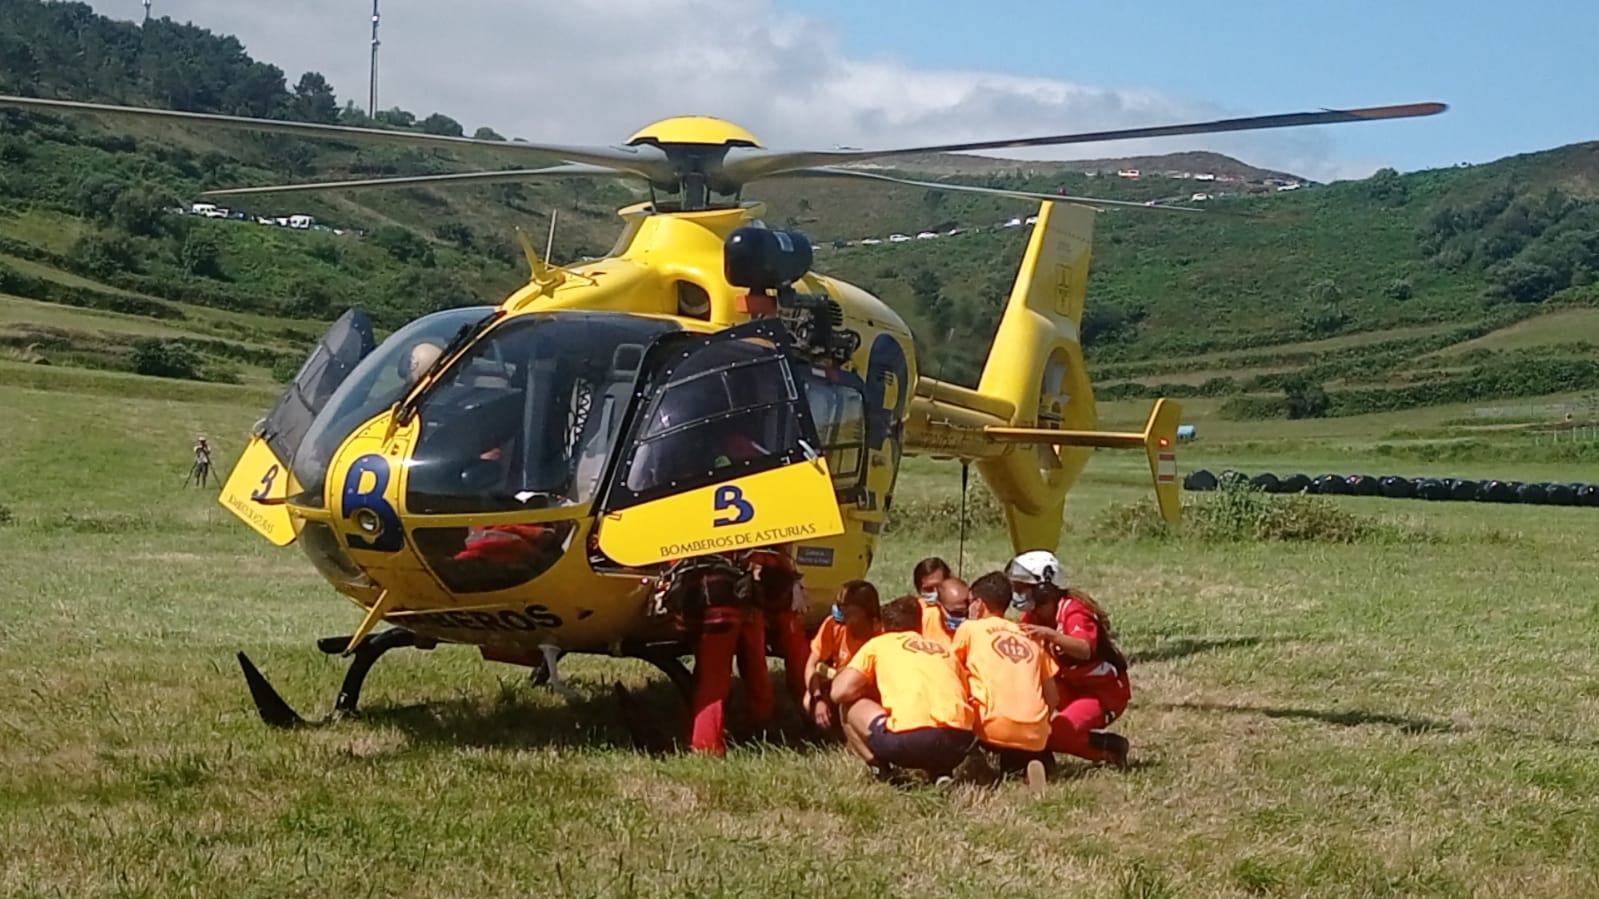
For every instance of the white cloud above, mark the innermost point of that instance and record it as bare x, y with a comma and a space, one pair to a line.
594, 71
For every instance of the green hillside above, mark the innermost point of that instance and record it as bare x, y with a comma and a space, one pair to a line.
1385, 293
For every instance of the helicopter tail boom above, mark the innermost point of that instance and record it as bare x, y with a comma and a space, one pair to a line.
1031, 424
1036, 367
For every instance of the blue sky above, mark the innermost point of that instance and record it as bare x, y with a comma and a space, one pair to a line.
1517, 76
860, 73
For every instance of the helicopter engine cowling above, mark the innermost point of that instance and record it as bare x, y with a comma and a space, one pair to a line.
763, 259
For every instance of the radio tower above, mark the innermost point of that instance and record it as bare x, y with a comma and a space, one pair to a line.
147, 10
372, 77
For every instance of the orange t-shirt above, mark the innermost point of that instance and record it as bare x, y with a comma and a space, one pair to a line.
1005, 673
933, 625
917, 680
834, 645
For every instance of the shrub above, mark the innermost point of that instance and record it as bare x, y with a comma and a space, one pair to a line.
403, 244
1235, 511
941, 514
105, 253
1305, 398
6, 515
164, 359
201, 254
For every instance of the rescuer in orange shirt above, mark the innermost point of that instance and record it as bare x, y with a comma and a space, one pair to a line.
940, 620
1011, 680
855, 619
926, 577
920, 718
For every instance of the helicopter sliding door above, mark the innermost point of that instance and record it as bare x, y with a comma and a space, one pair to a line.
720, 453
259, 482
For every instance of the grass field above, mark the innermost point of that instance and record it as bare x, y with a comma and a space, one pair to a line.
21, 315
1412, 714
1564, 326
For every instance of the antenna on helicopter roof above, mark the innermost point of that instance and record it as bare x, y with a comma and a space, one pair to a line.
549, 242
372, 73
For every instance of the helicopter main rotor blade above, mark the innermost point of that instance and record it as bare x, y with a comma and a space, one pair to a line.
746, 164
576, 169
643, 161
974, 189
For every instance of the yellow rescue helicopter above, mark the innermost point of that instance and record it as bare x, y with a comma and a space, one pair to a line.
516, 476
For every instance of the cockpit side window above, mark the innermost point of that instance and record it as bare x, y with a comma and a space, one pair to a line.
839, 410
528, 416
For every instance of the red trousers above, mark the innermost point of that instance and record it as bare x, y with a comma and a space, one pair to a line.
788, 637
727, 633
1082, 713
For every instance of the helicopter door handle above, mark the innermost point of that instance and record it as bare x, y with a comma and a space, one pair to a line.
810, 451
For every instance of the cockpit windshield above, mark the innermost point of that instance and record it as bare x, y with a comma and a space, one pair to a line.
528, 417
379, 382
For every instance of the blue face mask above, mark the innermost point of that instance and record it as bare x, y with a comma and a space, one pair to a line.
838, 613
951, 622
930, 597
1021, 601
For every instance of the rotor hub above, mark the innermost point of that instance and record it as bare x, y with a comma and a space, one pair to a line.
700, 130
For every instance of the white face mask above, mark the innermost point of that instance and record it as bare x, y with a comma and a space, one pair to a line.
930, 597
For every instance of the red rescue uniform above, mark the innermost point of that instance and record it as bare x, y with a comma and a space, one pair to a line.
785, 621
721, 624
1093, 693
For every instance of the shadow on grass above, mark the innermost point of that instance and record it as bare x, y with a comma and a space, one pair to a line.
1170, 650
1404, 723
651, 718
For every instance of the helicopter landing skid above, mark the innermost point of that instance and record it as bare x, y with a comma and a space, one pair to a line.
276, 712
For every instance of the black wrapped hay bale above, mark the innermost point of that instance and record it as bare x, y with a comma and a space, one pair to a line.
1532, 494
1395, 487
1431, 489
1331, 485
1363, 485
1496, 492
1199, 480
1232, 478
1588, 495
1463, 491
1294, 483
1560, 495
1265, 481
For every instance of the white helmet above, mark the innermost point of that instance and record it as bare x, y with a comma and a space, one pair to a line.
1036, 567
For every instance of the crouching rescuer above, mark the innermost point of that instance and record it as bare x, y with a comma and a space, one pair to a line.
920, 718
1092, 681
1011, 679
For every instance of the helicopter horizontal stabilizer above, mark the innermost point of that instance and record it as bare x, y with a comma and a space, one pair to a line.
256, 490
1158, 440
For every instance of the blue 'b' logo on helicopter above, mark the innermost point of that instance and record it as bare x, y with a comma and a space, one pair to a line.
730, 497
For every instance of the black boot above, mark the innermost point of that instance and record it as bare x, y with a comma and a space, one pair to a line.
1113, 746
